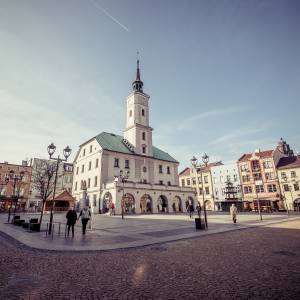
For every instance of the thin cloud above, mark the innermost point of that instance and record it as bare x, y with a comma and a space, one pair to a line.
210, 114
100, 8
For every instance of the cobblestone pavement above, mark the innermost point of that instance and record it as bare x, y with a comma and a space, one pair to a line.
257, 263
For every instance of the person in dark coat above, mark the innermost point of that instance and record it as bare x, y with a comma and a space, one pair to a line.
198, 208
191, 209
71, 219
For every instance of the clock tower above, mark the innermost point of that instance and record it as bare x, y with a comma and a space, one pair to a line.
138, 132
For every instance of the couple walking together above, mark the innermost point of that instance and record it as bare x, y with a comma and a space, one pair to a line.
71, 216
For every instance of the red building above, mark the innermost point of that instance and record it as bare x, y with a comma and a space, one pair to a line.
15, 183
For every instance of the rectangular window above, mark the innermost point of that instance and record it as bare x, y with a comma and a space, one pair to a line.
248, 189
200, 191
95, 181
182, 182
97, 163
259, 188
83, 152
91, 148
255, 165
161, 182
228, 178
144, 149
82, 168
206, 179
194, 181
188, 182
160, 169
244, 167
207, 190
89, 182
94, 200
90, 165
268, 164
293, 174
257, 176
286, 187
77, 170
116, 164
169, 183
76, 186
126, 163
235, 178
272, 188
283, 175
144, 136
168, 170
296, 186
270, 176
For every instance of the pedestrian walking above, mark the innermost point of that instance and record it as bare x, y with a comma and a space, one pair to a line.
71, 219
85, 215
191, 210
198, 208
233, 212
113, 209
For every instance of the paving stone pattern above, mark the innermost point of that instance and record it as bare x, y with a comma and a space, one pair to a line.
257, 263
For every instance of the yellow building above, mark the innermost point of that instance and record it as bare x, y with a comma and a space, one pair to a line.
288, 170
188, 177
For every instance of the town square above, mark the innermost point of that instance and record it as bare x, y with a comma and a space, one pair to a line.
149, 149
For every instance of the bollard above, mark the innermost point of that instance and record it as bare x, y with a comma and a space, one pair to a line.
52, 231
59, 228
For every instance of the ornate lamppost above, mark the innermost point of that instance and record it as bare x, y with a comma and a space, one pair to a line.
290, 190
197, 166
67, 152
17, 181
124, 177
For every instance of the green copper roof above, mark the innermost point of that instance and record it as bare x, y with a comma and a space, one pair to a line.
113, 142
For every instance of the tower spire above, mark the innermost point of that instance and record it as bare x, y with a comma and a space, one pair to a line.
137, 85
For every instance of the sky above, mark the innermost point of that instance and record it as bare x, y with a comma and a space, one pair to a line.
223, 76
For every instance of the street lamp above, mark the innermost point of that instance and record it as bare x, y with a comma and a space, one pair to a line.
124, 177
51, 150
197, 166
17, 180
290, 190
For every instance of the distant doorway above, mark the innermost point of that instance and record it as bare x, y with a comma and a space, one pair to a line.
162, 204
128, 203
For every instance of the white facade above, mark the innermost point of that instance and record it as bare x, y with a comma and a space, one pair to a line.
152, 184
221, 174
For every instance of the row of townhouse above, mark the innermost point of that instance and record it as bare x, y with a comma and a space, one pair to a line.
17, 185
271, 177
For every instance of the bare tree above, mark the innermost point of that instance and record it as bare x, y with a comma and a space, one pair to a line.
43, 181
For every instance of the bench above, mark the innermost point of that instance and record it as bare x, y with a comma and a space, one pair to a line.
33, 224
15, 220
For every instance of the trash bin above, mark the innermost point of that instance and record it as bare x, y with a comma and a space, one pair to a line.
199, 223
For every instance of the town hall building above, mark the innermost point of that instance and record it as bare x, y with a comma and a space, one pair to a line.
128, 170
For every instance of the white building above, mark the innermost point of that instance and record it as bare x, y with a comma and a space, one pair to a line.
221, 176
152, 184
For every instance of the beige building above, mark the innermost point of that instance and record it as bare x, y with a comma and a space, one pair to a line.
188, 178
259, 178
152, 184
289, 177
